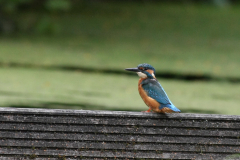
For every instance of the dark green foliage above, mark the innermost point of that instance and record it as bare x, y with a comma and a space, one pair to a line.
12, 16
13, 6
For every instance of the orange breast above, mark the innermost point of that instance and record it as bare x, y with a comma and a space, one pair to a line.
150, 102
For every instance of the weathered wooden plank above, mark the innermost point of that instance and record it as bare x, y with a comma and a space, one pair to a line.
122, 114
112, 154
117, 138
105, 134
32, 157
120, 146
83, 158
120, 121
119, 130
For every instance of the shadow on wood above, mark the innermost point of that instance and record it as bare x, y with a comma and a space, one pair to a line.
83, 134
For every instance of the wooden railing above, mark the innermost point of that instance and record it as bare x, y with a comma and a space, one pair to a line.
82, 134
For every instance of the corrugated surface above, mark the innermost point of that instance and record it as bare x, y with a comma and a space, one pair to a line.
77, 134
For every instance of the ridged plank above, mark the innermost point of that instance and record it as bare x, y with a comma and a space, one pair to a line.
120, 114
111, 154
119, 121
29, 157
117, 138
34, 157
118, 129
72, 134
120, 146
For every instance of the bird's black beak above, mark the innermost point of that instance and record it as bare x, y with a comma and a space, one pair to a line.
133, 69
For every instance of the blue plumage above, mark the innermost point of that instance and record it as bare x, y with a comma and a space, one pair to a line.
156, 91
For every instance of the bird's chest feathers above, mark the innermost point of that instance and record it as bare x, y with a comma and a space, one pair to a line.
150, 102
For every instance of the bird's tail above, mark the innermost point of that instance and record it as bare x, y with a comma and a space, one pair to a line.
171, 106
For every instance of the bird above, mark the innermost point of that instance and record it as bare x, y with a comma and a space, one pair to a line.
151, 90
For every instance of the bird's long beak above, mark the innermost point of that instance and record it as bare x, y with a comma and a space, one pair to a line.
132, 69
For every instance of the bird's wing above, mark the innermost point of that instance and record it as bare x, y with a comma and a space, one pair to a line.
155, 91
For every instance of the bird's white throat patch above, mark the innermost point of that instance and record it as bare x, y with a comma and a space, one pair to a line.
153, 75
141, 75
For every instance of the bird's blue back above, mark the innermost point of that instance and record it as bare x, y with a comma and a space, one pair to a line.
154, 90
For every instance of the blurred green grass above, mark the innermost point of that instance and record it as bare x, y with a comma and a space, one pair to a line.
23, 87
173, 38
176, 38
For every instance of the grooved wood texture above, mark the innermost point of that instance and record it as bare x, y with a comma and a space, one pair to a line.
81, 134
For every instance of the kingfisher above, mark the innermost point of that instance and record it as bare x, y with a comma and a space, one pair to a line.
151, 90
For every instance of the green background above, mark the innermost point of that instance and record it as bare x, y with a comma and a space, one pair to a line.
75, 59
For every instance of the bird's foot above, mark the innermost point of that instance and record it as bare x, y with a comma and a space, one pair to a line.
148, 111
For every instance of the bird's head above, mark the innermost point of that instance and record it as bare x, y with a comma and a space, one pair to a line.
143, 70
